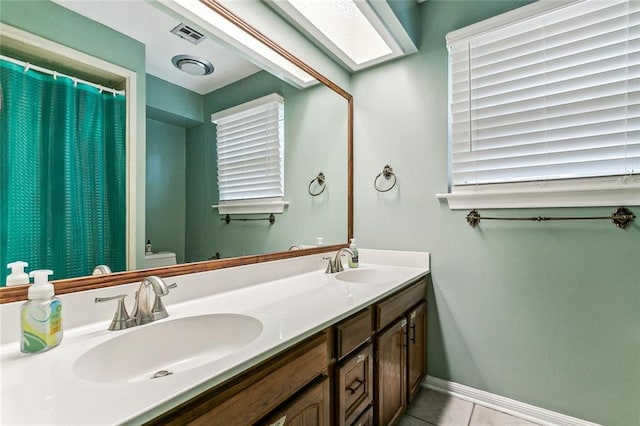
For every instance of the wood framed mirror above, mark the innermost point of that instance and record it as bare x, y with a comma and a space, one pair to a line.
17, 293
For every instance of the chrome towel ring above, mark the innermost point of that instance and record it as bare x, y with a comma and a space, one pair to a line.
387, 173
321, 182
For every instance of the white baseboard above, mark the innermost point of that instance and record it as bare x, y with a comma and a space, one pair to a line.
506, 405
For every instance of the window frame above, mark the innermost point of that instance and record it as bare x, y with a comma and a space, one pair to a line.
258, 204
575, 192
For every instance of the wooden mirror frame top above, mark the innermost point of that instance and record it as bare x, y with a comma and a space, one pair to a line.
18, 293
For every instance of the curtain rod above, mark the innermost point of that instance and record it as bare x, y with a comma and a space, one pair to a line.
27, 66
621, 217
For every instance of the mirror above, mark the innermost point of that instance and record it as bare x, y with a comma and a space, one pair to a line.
299, 175
183, 221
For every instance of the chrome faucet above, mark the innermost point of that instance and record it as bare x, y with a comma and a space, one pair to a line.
335, 265
144, 310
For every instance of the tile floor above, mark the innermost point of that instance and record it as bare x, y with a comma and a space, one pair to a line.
432, 408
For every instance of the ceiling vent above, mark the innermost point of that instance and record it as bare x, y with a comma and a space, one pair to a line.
187, 33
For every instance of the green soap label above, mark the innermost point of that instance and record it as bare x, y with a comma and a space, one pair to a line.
32, 343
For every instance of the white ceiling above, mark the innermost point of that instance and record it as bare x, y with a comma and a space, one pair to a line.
142, 21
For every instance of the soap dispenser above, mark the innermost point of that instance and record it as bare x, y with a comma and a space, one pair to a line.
41, 315
353, 260
17, 275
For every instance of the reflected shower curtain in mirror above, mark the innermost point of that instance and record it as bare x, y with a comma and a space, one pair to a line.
62, 176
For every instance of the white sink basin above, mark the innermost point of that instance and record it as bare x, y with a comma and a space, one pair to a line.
166, 348
368, 276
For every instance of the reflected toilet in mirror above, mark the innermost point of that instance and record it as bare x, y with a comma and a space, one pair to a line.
159, 259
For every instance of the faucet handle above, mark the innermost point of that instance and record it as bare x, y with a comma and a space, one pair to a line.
121, 319
331, 268
158, 311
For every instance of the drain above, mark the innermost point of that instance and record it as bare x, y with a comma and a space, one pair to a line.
161, 373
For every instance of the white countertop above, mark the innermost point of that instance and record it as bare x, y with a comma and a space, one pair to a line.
43, 388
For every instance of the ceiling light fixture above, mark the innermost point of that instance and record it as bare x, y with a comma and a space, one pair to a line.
192, 65
350, 29
345, 25
219, 26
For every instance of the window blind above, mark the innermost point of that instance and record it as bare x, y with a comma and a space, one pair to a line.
250, 149
553, 96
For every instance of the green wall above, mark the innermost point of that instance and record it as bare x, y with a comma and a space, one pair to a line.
545, 313
315, 140
173, 104
53, 22
166, 183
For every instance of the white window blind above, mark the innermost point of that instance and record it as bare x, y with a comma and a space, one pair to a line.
250, 146
553, 96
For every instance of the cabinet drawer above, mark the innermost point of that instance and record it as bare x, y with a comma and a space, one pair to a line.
365, 419
392, 308
353, 331
354, 385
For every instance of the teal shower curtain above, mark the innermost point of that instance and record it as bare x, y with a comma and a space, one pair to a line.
62, 174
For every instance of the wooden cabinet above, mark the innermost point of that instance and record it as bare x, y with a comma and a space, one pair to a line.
365, 419
416, 348
353, 332
361, 371
391, 376
397, 305
400, 352
249, 397
310, 408
354, 386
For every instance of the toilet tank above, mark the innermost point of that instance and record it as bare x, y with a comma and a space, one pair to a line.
161, 258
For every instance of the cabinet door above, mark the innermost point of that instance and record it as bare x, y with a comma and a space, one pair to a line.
309, 408
417, 348
354, 385
391, 373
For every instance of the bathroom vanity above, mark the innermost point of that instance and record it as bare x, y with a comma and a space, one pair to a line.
275, 343
337, 365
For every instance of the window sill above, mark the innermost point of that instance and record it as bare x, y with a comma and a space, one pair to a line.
267, 205
594, 193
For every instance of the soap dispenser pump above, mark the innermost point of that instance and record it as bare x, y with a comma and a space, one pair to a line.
41, 315
17, 275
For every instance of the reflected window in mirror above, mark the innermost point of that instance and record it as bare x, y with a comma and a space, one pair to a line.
250, 156
63, 186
